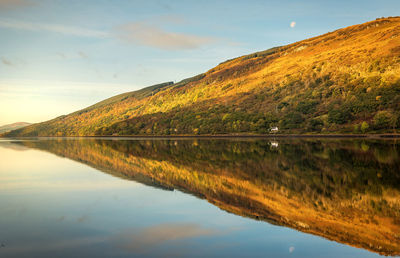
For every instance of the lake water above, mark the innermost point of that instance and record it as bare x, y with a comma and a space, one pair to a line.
82, 197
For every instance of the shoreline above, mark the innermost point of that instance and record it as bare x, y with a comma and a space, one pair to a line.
223, 136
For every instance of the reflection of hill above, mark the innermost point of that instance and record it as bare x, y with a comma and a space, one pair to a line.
344, 190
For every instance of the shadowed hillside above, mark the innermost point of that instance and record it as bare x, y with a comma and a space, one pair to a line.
345, 81
344, 190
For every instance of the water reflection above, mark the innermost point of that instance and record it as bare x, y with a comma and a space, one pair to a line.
141, 241
344, 190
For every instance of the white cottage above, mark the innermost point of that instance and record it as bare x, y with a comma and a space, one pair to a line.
274, 129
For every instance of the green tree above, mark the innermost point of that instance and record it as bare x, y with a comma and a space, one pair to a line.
364, 127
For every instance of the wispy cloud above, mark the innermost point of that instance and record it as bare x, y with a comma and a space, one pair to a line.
142, 33
6, 62
67, 30
14, 3
176, 19
153, 36
164, 5
61, 55
83, 55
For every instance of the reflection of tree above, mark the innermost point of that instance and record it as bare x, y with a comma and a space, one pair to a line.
338, 189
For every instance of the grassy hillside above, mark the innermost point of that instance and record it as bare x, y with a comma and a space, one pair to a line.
13, 126
345, 81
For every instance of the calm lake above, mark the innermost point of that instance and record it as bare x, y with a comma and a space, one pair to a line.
80, 197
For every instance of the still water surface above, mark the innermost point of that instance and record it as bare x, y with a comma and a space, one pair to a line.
199, 198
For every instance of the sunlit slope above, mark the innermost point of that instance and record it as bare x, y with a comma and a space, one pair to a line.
346, 191
343, 81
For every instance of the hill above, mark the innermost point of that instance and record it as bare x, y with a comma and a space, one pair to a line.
13, 126
346, 81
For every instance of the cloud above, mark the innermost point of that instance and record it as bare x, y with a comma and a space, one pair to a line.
14, 62
6, 62
292, 24
164, 5
175, 19
291, 249
136, 32
61, 55
67, 30
83, 55
14, 3
150, 35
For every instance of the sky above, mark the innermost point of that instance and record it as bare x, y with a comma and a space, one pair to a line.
59, 56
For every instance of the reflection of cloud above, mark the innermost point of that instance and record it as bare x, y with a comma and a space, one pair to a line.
16, 183
149, 237
54, 245
291, 249
82, 219
67, 30
150, 35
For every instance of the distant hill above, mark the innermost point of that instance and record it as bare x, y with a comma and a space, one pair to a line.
346, 81
14, 126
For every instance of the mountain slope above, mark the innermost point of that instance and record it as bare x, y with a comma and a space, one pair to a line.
343, 81
13, 126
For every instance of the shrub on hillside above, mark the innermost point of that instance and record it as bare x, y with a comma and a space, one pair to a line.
384, 120
339, 116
